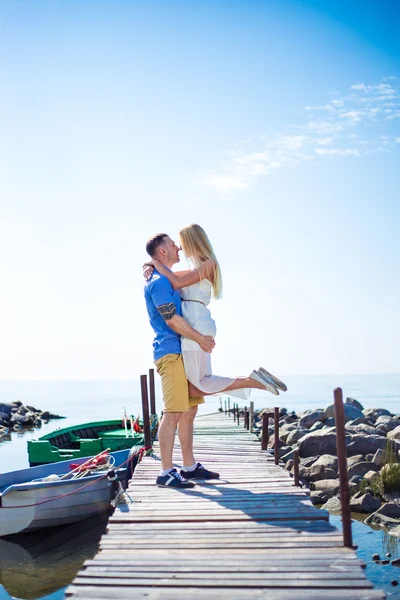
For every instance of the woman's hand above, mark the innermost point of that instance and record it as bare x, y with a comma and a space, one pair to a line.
148, 269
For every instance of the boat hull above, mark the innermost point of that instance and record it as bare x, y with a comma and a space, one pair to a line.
27, 504
81, 441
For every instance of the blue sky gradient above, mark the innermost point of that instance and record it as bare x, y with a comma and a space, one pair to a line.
274, 124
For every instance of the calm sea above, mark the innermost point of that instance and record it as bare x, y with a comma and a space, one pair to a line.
28, 576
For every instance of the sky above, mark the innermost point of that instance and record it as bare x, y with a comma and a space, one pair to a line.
274, 124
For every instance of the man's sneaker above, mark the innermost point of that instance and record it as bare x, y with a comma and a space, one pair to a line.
174, 479
199, 472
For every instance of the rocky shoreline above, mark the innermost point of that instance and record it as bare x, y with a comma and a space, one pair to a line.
373, 451
15, 416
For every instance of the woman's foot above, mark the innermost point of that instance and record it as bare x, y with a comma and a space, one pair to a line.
267, 383
272, 378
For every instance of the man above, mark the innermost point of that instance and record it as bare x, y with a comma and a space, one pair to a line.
164, 309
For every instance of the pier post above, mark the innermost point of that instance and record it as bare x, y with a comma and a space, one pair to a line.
296, 461
276, 436
153, 410
251, 416
264, 435
237, 413
247, 419
225, 406
145, 409
229, 407
342, 464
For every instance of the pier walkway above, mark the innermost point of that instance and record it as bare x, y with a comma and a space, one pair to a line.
249, 535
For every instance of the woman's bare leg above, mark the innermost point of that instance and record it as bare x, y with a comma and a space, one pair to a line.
238, 384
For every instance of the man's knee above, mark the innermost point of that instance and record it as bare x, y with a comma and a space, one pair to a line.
172, 418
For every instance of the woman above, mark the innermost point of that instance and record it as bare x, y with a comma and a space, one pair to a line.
196, 287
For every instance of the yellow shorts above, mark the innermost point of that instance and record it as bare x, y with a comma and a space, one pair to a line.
175, 385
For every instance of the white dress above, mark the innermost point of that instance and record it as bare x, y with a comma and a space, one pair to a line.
195, 300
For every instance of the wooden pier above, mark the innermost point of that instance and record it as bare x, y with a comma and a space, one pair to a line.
250, 534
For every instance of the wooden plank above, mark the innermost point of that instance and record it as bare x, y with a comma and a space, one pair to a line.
249, 534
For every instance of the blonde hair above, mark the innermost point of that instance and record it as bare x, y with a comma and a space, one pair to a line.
197, 247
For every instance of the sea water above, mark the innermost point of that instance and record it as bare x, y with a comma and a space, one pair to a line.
86, 401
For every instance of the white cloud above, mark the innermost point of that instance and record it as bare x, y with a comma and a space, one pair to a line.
352, 122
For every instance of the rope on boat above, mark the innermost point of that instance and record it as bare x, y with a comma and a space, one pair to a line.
140, 454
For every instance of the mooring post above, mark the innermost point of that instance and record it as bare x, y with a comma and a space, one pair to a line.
264, 435
229, 407
296, 461
145, 409
238, 413
153, 410
251, 416
276, 436
245, 417
342, 464
225, 406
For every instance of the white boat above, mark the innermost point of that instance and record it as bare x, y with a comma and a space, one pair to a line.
29, 501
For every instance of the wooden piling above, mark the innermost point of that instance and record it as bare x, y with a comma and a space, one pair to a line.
342, 464
251, 416
264, 435
145, 410
229, 406
296, 461
153, 409
276, 436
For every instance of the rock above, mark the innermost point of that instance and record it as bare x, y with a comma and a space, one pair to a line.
364, 504
318, 442
295, 436
317, 425
46, 416
386, 423
284, 450
308, 420
328, 461
353, 460
394, 583
317, 472
350, 412
395, 532
5, 408
374, 413
307, 462
378, 457
284, 432
376, 557
25, 420
364, 444
395, 562
33, 409
367, 429
288, 456
333, 505
319, 496
390, 509
370, 476
394, 434
362, 468
329, 422
354, 403
369, 457
330, 486
17, 403
289, 464
356, 480
359, 421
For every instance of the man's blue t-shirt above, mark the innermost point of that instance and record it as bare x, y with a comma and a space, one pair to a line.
158, 291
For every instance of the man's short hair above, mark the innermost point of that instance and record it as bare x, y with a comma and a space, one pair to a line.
154, 243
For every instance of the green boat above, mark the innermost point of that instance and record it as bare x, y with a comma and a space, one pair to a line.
88, 439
